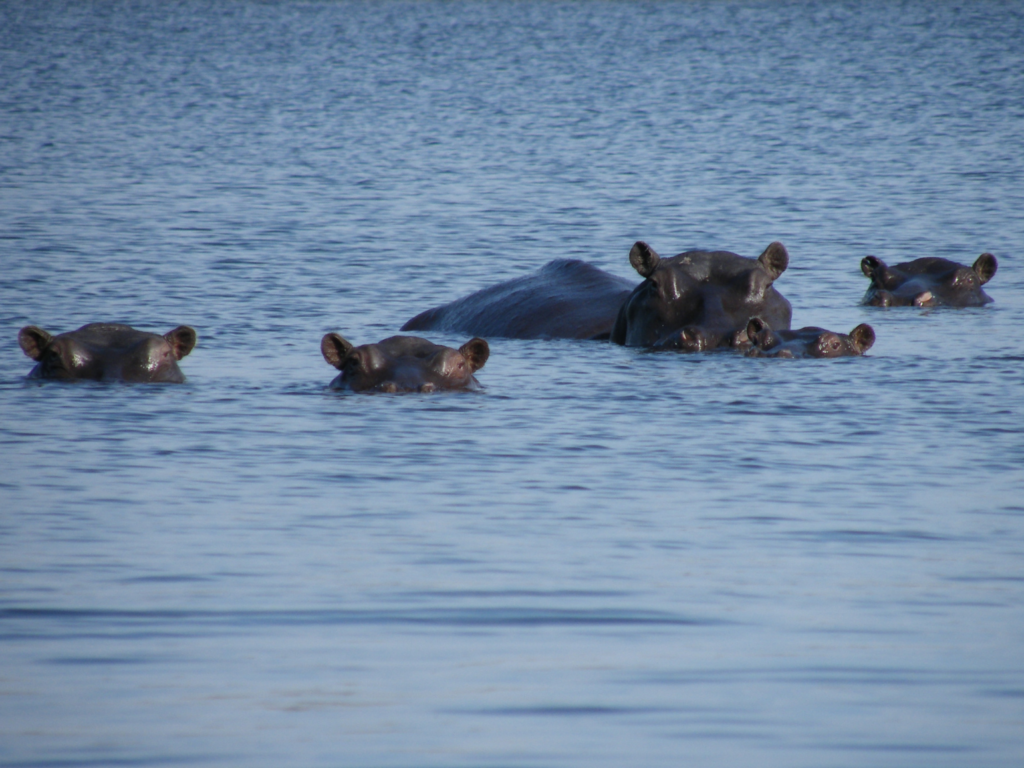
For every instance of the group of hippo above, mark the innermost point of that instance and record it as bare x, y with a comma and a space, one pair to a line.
692, 302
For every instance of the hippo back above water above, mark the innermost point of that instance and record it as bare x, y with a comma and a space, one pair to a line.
928, 282
108, 352
700, 300
403, 364
564, 299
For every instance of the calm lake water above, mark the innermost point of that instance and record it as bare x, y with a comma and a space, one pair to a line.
608, 557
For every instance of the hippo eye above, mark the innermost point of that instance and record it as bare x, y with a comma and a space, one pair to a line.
963, 279
54, 361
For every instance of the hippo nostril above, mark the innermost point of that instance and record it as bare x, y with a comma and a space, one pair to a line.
691, 340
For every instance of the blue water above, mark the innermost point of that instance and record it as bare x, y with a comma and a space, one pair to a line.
608, 557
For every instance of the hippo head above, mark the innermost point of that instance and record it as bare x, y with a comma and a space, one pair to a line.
108, 352
928, 282
807, 342
404, 364
700, 300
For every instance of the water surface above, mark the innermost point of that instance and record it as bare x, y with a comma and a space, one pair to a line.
609, 556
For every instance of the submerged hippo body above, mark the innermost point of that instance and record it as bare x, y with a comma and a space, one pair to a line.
700, 300
404, 364
807, 342
928, 282
564, 299
108, 352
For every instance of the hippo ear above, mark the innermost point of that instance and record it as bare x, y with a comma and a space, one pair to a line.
34, 341
985, 267
643, 258
335, 349
476, 353
757, 329
869, 264
182, 339
862, 337
775, 259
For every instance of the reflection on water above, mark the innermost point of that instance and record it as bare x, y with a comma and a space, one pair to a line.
606, 557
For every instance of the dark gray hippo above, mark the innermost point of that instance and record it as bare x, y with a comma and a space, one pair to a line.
701, 300
404, 364
694, 301
928, 282
807, 342
564, 299
108, 352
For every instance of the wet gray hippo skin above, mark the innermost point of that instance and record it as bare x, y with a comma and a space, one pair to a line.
928, 282
701, 300
404, 364
108, 352
564, 299
807, 342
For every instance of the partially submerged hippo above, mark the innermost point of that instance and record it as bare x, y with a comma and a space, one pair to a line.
807, 342
701, 300
108, 352
564, 299
694, 301
404, 364
928, 282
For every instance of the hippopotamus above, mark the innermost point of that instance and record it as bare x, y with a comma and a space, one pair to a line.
700, 300
807, 342
403, 364
694, 301
928, 282
108, 352
564, 299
